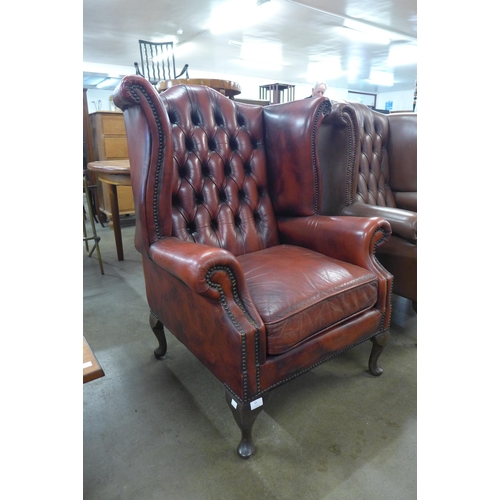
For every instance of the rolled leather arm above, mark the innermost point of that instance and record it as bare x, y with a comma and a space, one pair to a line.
351, 239
207, 270
214, 273
403, 222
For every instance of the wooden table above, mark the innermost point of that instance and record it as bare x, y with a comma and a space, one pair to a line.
225, 87
277, 92
113, 173
91, 367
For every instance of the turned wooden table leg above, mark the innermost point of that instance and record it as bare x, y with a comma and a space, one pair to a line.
115, 215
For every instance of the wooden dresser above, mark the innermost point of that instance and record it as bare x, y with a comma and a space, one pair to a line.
110, 143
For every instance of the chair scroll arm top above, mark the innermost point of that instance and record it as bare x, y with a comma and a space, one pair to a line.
351, 239
208, 271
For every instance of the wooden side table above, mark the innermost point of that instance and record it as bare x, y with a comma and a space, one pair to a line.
112, 174
277, 92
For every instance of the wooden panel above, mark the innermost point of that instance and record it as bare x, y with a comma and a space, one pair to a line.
115, 148
113, 124
125, 199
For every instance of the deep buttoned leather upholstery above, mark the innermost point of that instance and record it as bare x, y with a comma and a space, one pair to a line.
369, 168
238, 264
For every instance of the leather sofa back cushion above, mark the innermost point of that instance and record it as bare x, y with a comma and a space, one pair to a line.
373, 181
331, 291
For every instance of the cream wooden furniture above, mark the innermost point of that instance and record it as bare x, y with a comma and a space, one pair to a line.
110, 143
114, 175
91, 367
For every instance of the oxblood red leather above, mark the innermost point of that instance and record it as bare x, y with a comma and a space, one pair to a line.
238, 264
369, 169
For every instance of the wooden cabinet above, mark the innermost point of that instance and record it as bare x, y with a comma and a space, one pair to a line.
110, 143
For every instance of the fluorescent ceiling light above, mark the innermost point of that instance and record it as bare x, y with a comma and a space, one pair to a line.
364, 27
360, 32
401, 55
107, 83
183, 51
373, 34
320, 71
107, 69
358, 36
235, 15
354, 68
264, 65
381, 78
354, 12
270, 52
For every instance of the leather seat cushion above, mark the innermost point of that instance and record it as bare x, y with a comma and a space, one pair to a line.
299, 292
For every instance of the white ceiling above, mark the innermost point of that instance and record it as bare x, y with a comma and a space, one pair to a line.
294, 42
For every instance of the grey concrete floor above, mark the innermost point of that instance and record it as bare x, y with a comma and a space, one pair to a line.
162, 430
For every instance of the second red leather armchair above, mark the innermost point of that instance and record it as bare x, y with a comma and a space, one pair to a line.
368, 163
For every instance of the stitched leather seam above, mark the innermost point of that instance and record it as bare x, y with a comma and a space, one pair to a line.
349, 119
375, 246
161, 150
334, 355
324, 109
233, 319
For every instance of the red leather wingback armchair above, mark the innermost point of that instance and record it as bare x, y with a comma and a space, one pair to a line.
237, 264
369, 168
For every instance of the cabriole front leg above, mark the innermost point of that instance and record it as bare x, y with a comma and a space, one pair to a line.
159, 331
245, 415
379, 342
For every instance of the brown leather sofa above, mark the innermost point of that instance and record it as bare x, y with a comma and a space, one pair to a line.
368, 163
237, 263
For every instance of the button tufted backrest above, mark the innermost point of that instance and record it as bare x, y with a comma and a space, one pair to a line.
372, 179
218, 181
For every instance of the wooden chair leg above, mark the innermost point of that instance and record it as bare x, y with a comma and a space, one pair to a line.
379, 342
245, 415
159, 331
